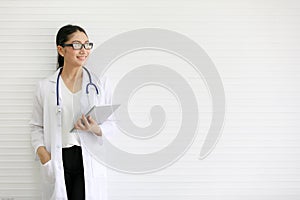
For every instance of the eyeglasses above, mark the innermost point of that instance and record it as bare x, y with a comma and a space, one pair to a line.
78, 46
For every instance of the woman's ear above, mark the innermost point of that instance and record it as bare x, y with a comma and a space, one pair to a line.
60, 50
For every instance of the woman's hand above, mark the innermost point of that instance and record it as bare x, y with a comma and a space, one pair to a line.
43, 154
88, 124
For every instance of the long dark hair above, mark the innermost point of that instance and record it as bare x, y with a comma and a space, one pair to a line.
62, 36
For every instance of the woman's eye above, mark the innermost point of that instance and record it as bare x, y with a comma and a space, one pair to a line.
76, 45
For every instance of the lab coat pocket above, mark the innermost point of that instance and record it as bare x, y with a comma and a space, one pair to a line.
47, 172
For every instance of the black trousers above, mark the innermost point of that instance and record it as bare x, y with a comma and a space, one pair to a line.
74, 174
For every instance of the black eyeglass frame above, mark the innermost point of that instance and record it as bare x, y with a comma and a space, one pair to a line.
82, 45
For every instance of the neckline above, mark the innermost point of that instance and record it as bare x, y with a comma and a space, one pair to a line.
70, 92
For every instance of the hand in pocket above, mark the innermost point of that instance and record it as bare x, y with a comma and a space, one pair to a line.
44, 155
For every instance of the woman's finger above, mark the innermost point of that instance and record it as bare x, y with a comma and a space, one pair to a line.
85, 121
91, 120
80, 124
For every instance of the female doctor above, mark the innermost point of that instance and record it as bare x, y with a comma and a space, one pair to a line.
69, 170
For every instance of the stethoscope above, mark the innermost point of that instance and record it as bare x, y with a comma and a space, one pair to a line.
86, 88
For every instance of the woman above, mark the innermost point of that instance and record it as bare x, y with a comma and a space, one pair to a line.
68, 169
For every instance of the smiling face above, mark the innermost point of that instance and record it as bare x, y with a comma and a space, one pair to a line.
74, 58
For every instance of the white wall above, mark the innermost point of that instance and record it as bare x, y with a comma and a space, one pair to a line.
255, 47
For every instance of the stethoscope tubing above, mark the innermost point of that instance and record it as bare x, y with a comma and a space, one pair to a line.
86, 88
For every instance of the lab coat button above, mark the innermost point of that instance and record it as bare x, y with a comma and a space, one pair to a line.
58, 146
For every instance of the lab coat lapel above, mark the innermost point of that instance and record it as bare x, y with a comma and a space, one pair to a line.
53, 79
54, 130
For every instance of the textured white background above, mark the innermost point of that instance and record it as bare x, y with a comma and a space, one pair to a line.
255, 46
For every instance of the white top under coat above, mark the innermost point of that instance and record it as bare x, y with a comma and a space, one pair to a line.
70, 113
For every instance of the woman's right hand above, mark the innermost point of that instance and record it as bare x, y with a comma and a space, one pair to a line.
43, 154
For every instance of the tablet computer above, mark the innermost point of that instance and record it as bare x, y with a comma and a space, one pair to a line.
100, 113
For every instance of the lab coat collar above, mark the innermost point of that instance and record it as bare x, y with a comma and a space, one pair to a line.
53, 77
85, 79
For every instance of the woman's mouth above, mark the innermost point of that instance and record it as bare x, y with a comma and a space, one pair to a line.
82, 58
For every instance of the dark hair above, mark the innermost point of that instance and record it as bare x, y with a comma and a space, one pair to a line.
62, 36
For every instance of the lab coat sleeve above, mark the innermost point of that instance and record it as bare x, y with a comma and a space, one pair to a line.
108, 127
36, 122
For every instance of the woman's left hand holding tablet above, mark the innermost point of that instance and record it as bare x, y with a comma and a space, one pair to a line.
88, 124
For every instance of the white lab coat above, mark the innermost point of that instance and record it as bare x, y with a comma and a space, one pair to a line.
46, 131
